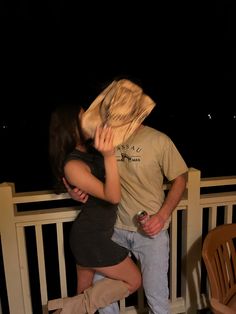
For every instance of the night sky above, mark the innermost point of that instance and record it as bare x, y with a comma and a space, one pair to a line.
59, 51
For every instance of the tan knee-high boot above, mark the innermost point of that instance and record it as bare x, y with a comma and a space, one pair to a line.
101, 294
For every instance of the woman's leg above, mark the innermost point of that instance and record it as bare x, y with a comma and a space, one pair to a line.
112, 308
124, 279
84, 278
126, 271
101, 294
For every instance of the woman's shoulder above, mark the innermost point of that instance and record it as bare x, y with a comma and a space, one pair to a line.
79, 155
74, 163
75, 159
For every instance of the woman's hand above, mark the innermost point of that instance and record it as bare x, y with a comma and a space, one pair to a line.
76, 194
103, 141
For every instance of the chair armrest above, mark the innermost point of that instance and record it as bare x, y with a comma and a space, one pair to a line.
220, 307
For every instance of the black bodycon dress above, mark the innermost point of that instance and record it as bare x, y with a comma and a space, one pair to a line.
91, 232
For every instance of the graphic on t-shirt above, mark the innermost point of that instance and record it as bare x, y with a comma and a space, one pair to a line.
128, 153
125, 157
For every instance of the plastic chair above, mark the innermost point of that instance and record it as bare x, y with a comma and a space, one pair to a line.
219, 255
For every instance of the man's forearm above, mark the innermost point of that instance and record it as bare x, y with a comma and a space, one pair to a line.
173, 197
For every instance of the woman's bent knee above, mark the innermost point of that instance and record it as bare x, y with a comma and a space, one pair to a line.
136, 284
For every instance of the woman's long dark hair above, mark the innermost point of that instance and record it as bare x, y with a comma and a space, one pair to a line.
64, 133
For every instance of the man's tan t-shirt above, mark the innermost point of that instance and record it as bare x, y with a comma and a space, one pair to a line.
146, 158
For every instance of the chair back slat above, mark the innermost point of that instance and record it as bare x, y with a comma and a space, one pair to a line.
219, 255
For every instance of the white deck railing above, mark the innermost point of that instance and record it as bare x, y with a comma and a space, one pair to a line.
37, 262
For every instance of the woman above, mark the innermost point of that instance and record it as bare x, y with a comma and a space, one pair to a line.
92, 168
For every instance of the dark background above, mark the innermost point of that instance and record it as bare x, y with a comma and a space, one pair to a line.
61, 51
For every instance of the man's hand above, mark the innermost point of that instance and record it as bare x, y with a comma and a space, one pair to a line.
153, 225
75, 193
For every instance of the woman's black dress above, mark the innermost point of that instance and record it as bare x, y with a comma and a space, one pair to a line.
91, 232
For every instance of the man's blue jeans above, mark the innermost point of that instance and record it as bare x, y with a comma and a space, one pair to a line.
153, 254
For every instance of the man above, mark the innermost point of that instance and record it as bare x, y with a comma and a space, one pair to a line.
145, 160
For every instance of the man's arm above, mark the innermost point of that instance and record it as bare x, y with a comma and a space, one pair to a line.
157, 221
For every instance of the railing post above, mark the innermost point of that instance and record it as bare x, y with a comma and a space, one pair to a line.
9, 246
192, 226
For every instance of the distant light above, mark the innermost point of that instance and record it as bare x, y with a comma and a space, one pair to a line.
4, 126
209, 116
234, 117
